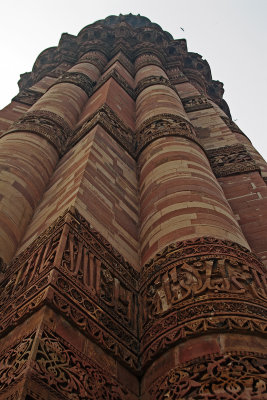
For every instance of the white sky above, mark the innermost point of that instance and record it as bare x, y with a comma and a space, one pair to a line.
230, 34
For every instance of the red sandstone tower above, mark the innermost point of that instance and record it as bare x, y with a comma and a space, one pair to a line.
133, 233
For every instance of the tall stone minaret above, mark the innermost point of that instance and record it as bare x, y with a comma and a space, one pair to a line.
133, 233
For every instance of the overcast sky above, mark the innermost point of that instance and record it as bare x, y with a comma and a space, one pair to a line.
230, 34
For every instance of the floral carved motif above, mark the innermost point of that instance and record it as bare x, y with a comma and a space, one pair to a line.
226, 377
230, 160
79, 79
13, 362
66, 371
47, 359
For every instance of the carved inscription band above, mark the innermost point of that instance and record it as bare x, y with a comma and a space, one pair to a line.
191, 288
200, 286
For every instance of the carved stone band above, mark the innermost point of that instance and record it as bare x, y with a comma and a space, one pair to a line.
191, 288
152, 80
231, 160
200, 286
195, 103
46, 124
163, 125
191, 380
79, 79
112, 124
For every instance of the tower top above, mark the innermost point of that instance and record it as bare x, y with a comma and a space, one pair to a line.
132, 35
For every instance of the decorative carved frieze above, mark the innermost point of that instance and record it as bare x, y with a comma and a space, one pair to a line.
58, 367
143, 84
150, 81
14, 360
109, 121
163, 125
189, 289
77, 272
66, 371
44, 123
232, 375
200, 286
27, 96
196, 103
231, 160
79, 79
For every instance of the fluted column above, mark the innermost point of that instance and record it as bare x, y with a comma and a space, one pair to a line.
179, 196
199, 277
37, 140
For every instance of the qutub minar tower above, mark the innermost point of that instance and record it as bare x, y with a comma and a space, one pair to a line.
133, 227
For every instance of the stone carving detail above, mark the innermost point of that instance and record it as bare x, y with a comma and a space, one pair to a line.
109, 121
189, 289
79, 79
79, 274
13, 362
150, 81
238, 375
230, 160
46, 124
66, 371
198, 286
58, 367
195, 103
163, 125
27, 96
